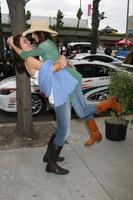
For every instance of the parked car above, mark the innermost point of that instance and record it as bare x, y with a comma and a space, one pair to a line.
128, 67
94, 84
95, 79
81, 46
98, 57
8, 96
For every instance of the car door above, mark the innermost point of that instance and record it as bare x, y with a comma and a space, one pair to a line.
100, 58
95, 81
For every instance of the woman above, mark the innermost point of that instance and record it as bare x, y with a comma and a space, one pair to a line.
62, 108
35, 68
46, 49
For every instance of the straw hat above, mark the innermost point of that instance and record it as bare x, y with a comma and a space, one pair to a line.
39, 25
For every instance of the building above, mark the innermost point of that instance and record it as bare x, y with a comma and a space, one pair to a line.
68, 22
68, 32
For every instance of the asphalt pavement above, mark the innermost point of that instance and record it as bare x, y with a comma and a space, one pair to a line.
103, 171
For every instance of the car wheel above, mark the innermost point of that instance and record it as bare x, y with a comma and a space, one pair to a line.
37, 104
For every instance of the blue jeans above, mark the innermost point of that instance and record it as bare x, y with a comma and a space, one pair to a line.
63, 114
63, 118
83, 110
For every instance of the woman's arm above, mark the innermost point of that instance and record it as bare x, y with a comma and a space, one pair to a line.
62, 59
14, 47
35, 64
58, 66
32, 53
24, 54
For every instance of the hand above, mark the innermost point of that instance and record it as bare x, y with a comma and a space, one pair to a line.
69, 63
62, 61
10, 41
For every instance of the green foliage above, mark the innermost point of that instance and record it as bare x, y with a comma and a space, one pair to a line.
121, 86
59, 22
27, 15
26, 1
102, 16
79, 13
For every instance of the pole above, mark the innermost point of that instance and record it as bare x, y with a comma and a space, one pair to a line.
1, 35
127, 23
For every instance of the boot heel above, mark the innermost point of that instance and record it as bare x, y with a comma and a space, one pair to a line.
99, 140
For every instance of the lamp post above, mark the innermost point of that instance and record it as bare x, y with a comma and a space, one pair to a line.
127, 23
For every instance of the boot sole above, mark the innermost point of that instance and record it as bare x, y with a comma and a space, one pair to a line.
51, 171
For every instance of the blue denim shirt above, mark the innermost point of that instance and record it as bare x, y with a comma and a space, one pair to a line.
61, 82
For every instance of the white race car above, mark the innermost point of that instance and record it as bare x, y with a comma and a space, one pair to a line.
98, 57
94, 85
8, 96
95, 79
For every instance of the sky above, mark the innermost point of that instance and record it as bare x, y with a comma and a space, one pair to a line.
115, 10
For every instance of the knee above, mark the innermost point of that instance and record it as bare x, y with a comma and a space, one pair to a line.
81, 115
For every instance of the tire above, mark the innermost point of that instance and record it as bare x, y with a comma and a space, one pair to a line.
37, 104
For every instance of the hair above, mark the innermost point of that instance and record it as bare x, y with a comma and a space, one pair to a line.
19, 62
42, 36
16, 40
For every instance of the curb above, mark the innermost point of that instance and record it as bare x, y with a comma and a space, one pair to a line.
34, 123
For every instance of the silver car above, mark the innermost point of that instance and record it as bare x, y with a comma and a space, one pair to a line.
98, 57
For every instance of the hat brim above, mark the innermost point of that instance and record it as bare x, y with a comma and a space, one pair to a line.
54, 33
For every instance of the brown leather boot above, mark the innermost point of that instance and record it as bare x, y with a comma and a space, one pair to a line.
95, 135
110, 103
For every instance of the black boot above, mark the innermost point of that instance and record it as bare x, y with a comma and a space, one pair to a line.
48, 151
52, 165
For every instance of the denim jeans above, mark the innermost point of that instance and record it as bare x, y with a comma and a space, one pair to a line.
83, 110
63, 118
63, 115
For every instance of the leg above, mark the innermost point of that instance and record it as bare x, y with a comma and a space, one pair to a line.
49, 149
83, 110
63, 118
110, 103
63, 115
86, 111
95, 135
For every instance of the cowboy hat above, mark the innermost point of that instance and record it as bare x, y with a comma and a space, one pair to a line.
39, 25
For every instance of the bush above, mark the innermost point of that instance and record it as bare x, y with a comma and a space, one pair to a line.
121, 86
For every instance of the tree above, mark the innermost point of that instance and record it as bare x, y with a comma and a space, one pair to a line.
59, 22
96, 17
79, 15
24, 105
28, 13
1, 36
